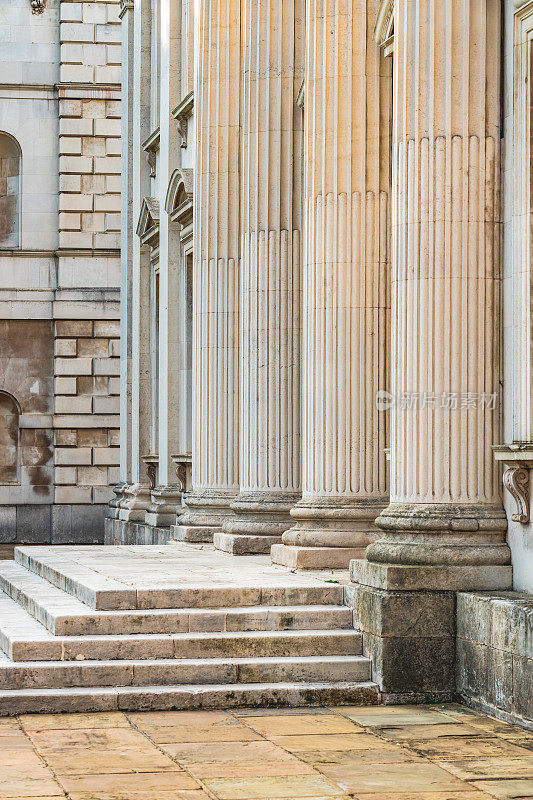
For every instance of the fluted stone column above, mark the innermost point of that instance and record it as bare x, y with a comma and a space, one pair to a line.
345, 288
270, 281
444, 529
215, 469
446, 511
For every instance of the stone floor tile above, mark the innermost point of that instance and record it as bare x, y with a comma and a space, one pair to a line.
426, 777
459, 747
192, 726
415, 732
89, 751
8, 722
111, 719
490, 768
317, 758
507, 789
470, 794
175, 794
371, 716
145, 786
286, 788
236, 759
332, 741
271, 725
281, 712
26, 787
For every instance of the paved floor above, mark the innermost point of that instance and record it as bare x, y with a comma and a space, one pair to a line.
176, 564
373, 753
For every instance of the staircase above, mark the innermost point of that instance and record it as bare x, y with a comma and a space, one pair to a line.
91, 630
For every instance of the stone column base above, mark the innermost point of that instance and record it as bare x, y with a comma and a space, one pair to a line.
259, 519
398, 577
244, 544
314, 557
164, 507
407, 617
132, 507
195, 534
410, 637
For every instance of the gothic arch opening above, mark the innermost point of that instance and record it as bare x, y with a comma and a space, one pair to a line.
9, 439
10, 173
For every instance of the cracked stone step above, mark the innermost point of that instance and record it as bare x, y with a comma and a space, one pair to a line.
283, 644
166, 698
100, 580
64, 615
63, 675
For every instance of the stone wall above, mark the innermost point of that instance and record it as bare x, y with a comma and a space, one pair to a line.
59, 282
495, 653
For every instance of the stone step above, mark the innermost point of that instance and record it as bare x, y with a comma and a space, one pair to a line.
193, 696
64, 615
20, 647
163, 672
90, 580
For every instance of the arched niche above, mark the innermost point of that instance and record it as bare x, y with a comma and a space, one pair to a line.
10, 186
179, 200
9, 439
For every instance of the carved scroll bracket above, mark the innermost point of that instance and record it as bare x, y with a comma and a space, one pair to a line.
518, 457
152, 462
183, 462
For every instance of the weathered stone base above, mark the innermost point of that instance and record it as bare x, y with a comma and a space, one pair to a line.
315, 557
242, 545
495, 654
193, 533
52, 524
395, 577
410, 637
119, 531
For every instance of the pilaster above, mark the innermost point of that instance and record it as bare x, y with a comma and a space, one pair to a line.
137, 494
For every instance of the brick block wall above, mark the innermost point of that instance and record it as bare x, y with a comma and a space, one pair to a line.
86, 410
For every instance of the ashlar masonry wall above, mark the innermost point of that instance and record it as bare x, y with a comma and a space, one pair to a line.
59, 289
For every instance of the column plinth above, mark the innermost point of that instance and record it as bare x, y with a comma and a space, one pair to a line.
136, 498
164, 506
259, 520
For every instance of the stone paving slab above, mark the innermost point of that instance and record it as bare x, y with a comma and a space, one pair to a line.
336, 752
180, 576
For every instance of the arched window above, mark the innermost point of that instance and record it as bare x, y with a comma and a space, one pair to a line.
9, 439
10, 162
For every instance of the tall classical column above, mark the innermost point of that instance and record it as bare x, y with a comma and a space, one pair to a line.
137, 494
270, 277
446, 513
215, 469
345, 288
